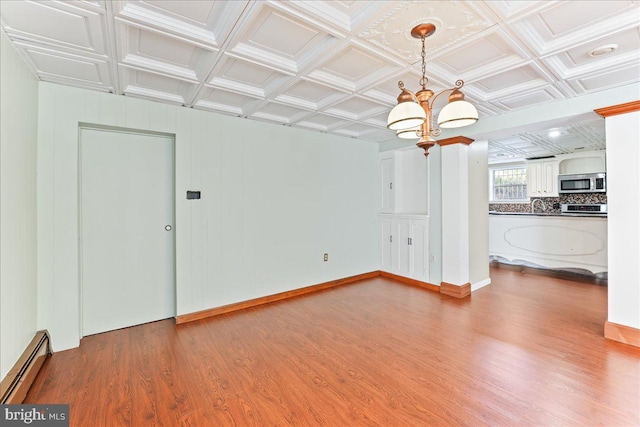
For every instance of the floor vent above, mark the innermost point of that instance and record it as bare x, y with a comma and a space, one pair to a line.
15, 386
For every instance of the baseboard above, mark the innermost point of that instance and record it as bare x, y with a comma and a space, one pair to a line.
410, 281
190, 317
457, 291
198, 315
622, 333
15, 386
480, 284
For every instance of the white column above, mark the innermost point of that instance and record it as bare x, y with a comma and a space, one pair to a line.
479, 215
623, 198
455, 217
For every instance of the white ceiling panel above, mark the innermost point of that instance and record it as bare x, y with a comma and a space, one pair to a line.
334, 65
379, 120
157, 51
606, 79
155, 86
490, 53
387, 90
524, 78
65, 68
565, 23
309, 95
390, 30
279, 113
356, 108
226, 101
201, 22
322, 122
355, 130
352, 69
274, 38
527, 99
247, 77
75, 26
336, 17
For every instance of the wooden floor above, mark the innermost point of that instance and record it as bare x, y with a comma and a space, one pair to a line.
525, 351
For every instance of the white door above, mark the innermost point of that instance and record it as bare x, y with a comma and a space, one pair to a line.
127, 237
387, 244
386, 182
404, 253
420, 251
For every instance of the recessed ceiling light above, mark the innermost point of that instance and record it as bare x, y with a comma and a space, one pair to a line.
603, 50
554, 134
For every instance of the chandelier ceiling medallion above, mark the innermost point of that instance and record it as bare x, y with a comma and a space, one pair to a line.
412, 117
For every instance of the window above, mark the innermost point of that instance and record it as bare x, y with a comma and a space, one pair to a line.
508, 184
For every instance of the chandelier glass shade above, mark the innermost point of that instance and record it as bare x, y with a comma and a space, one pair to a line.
406, 115
411, 133
412, 118
457, 113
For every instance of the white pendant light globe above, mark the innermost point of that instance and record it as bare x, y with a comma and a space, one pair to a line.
411, 133
406, 115
457, 114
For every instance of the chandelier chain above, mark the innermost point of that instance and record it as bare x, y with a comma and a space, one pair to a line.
424, 80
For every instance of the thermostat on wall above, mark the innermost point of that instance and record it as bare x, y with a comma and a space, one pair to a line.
193, 195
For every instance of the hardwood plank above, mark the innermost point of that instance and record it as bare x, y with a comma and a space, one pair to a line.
526, 350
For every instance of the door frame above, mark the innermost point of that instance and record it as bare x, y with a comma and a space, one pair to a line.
117, 129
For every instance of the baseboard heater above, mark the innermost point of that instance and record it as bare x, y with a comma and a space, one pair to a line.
15, 386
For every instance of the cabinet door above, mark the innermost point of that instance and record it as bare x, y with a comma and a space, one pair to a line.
533, 180
386, 262
419, 250
386, 186
403, 266
550, 177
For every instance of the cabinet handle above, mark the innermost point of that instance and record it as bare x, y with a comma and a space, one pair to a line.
409, 241
391, 186
390, 239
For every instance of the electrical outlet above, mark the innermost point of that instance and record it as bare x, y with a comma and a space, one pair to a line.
326, 257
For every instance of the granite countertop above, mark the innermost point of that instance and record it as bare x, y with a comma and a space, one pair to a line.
552, 214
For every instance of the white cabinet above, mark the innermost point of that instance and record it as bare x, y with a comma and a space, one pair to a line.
405, 246
387, 177
562, 242
583, 162
542, 179
386, 261
403, 182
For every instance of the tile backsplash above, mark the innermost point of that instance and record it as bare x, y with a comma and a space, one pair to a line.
550, 202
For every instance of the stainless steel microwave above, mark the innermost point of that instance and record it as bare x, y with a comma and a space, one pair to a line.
582, 183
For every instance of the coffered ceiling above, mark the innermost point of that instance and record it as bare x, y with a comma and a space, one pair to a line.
333, 66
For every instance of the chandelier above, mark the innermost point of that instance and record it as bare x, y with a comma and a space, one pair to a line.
412, 117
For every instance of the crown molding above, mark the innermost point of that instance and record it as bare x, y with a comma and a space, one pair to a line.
614, 110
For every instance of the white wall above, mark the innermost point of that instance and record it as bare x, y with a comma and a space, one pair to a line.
274, 199
18, 263
623, 198
435, 215
478, 214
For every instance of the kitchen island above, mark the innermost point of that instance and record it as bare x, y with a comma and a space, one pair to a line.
574, 243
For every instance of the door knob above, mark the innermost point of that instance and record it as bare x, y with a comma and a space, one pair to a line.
167, 227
